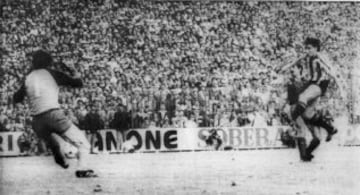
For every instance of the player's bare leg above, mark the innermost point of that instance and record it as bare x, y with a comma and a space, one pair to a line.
306, 99
78, 139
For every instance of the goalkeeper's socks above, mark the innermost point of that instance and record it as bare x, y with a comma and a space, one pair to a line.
57, 151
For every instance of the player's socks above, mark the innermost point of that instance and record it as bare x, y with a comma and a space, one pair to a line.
330, 134
59, 157
320, 122
331, 130
55, 146
298, 110
312, 146
302, 149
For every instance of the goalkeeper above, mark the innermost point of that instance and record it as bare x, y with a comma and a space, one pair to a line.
41, 86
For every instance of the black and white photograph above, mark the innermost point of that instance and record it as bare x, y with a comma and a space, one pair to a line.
183, 97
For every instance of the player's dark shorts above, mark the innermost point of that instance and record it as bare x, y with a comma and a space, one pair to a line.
51, 121
293, 94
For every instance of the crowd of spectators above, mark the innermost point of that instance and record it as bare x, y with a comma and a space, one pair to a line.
171, 64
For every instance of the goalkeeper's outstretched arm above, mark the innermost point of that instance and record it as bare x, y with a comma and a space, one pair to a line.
61, 78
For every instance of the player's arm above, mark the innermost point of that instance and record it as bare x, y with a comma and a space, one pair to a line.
19, 94
67, 80
332, 71
328, 68
284, 67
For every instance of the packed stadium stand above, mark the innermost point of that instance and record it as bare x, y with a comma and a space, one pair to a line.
172, 64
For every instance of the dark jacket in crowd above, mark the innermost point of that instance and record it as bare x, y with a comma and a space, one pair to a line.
93, 122
170, 105
243, 120
2, 128
121, 121
205, 119
136, 121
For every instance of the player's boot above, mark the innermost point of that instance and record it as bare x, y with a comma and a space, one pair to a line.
330, 134
85, 173
302, 149
315, 142
326, 124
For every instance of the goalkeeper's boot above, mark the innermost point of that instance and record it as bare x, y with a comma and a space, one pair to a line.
85, 173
